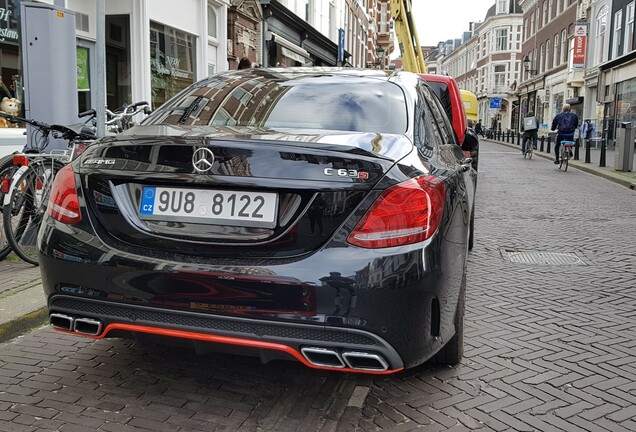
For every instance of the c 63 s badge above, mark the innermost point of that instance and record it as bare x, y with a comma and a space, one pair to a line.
342, 172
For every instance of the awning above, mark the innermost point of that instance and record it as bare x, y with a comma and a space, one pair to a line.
575, 100
288, 45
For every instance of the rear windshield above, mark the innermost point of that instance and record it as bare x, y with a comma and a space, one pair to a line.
330, 102
441, 90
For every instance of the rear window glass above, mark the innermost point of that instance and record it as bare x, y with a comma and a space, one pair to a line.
305, 102
441, 90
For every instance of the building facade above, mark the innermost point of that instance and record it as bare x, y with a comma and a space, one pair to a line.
549, 76
616, 93
488, 63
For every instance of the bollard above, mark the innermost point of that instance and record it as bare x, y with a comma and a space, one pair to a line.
518, 138
588, 151
507, 136
542, 142
602, 161
576, 149
549, 141
498, 135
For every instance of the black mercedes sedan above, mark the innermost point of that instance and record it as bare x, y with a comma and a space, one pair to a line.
313, 214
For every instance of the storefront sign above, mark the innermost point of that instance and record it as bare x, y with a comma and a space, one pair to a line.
580, 42
5, 31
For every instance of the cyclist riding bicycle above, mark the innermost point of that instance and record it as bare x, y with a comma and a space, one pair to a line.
566, 122
530, 127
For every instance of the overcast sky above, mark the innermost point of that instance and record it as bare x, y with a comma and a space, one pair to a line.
440, 20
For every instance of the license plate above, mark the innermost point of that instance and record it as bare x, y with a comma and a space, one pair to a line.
217, 207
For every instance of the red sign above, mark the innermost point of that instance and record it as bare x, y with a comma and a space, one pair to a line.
580, 42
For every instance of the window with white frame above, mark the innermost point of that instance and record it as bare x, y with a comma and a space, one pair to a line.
212, 22
501, 39
532, 24
383, 21
545, 12
556, 50
601, 32
629, 28
550, 9
502, 7
500, 78
564, 41
541, 58
548, 56
525, 30
616, 37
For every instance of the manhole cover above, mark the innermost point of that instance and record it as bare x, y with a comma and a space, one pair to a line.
537, 257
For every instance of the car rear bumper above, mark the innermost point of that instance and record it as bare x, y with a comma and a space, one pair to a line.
100, 319
386, 310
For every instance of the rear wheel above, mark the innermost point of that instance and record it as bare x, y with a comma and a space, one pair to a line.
23, 214
6, 171
566, 158
453, 351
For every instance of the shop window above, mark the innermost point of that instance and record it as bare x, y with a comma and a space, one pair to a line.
172, 62
601, 30
10, 63
118, 85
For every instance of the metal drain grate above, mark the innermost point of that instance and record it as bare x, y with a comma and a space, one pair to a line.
546, 258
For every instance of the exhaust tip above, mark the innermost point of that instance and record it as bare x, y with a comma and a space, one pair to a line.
61, 321
323, 357
87, 326
365, 361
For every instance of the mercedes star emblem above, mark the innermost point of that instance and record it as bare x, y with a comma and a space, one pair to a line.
202, 160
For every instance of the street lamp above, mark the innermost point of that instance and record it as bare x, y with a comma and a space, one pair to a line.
526, 65
380, 52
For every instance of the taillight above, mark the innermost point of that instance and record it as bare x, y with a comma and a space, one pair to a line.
6, 185
63, 202
406, 213
20, 160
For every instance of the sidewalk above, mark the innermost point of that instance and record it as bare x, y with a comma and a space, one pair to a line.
22, 301
627, 179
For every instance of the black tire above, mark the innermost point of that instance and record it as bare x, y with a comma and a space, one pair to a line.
530, 153
6, 170
567, 159
23, 215
453, 351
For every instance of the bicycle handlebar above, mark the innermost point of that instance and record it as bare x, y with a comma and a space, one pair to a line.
34, 123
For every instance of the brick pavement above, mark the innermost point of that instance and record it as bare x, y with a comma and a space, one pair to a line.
548, 348
15, 273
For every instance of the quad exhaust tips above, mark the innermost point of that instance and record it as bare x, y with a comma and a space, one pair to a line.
85, 326
356, 360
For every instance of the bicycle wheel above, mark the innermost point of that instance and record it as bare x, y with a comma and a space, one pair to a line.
566, 156
529, 151
561, 156
6, 171
27, 203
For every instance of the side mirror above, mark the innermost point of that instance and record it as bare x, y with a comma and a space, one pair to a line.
471, 141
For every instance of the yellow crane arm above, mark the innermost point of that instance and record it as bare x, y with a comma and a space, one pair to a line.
412, 59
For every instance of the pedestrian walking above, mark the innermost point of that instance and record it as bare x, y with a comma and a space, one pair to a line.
566, 122
530, 128
479, 129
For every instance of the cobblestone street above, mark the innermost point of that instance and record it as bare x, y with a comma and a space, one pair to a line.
548, 347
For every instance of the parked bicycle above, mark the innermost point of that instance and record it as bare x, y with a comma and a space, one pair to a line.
26, 186
27, 181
